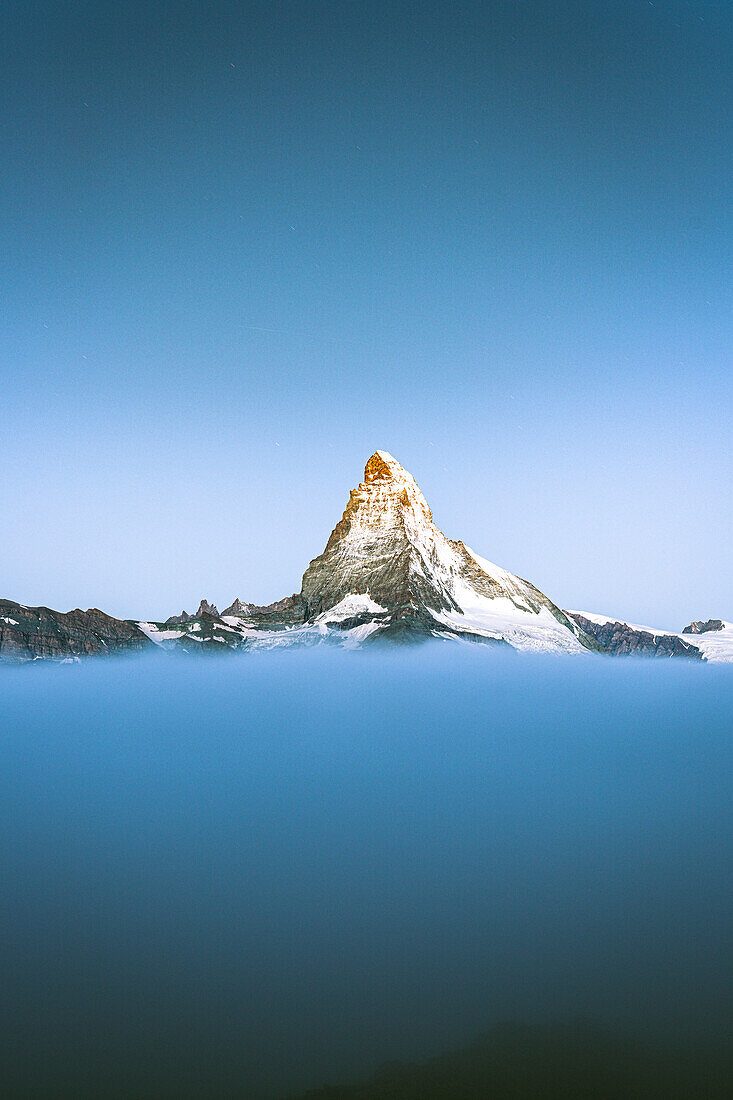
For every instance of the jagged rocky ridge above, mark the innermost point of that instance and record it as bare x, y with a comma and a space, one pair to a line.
621, 639
704, 628
387, 573
710, 642
28, 633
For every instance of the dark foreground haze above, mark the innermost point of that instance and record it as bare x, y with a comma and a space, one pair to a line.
256, 875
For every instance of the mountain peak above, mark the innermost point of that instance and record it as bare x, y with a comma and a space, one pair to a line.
386, 547
385, 483
383, 466
206, 608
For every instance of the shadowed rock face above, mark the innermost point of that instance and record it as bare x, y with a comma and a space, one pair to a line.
206, 608
621, 640
287, 610
30, 632
703, 628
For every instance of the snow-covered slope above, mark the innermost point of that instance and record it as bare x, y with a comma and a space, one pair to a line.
715, 645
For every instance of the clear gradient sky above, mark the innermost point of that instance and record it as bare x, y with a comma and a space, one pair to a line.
243, 245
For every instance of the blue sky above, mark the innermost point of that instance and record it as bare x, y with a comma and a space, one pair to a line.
245, 245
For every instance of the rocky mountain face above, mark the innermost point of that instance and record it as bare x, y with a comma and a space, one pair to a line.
238, 608
704, 628
287, 610
27, 633
621, 639
206, 608
387, 573
176, 620
386, 547
713, 643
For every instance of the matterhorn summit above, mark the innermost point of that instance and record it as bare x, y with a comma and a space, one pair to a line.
386, 547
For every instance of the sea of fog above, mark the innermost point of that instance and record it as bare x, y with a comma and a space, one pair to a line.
255, 874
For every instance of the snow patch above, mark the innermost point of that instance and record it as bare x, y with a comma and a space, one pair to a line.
159, 636
351, 605
353, 638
